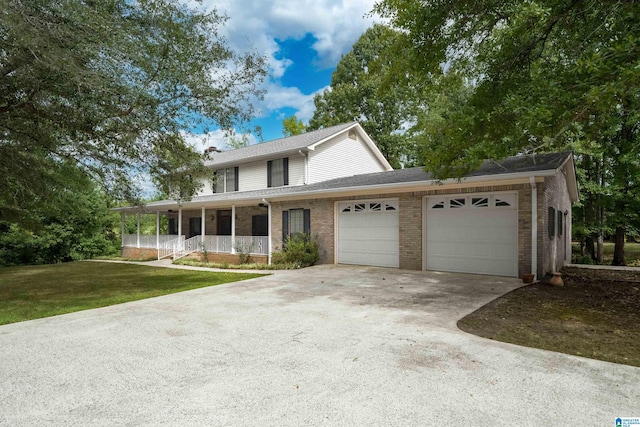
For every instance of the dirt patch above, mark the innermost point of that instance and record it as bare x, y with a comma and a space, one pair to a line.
595, 314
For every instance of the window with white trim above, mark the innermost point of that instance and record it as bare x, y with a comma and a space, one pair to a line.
278, 172
295, 222
226, 180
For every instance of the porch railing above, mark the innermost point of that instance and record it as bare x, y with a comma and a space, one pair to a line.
170, 247
146, 240
177, 246
255, 245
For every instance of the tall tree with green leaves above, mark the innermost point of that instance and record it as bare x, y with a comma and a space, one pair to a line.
543, 75
107, 86
292, 126
354, 96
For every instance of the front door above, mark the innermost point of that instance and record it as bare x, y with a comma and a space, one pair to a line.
195, 227
224, 223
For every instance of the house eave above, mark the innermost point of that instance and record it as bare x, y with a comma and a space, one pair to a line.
403, 187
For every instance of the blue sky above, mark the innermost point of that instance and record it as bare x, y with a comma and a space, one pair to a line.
303, 41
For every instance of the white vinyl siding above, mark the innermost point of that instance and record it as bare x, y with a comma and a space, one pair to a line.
253, 176
340, 157
206, 186
296, 169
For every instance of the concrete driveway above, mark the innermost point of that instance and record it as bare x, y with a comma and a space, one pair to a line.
321, 346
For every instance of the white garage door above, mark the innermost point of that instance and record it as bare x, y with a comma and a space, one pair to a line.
368, 233
473, 234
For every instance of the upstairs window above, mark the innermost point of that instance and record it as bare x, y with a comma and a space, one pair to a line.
226, 180
278, 172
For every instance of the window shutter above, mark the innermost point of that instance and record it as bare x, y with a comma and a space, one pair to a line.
551, 219
285, 166
236, 174
269, 173
214, 184
285, 226
307, 221
560, 223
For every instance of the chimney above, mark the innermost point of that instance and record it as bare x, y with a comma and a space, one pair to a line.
211, 150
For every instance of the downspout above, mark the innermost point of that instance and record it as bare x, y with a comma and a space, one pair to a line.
138, 232
122, 221
233, 229
534, 227
306, 166
158, 233
268, 230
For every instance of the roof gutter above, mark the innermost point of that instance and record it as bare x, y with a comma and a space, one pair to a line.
504, 179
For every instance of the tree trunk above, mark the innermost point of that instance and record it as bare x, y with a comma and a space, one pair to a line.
600, 244
618, 251
590, 247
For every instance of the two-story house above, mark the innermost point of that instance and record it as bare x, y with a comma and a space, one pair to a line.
511, 217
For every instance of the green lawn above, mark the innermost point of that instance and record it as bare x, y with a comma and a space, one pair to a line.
631, 252
32, 292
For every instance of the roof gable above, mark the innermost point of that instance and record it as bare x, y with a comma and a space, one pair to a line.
277, 146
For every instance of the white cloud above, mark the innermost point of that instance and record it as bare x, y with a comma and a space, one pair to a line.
279, 97
256, 24
217, 138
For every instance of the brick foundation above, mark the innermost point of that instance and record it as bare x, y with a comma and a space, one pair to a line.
139, 253
227, 258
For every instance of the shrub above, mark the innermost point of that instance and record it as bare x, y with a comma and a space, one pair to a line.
301, 249
582, 259
243, 250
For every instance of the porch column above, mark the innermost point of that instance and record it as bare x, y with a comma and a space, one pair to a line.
122, 221
534, 227
138, 234
158, 230
269, 232
233, 229
202, 223
179, 222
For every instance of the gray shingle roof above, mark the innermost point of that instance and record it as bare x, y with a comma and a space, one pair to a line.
277, 146
511, 165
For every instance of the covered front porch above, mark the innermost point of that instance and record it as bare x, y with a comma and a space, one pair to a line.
210, 231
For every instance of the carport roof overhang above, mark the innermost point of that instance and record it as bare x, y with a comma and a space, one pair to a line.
302, 192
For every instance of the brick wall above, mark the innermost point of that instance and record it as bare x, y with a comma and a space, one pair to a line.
139, 253
227, 258
322, 224
554, 251
552, 192
411, 222
243, 219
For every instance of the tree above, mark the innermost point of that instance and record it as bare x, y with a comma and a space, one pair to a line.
542, 76
78, 226
354, 96
292, 126
107, 86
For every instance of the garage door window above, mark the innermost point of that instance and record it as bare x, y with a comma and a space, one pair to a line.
458, 202
368, 207
480, 202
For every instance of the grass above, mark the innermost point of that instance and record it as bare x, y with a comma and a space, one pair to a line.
32, 292
631, 252
250, 266
594, 315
